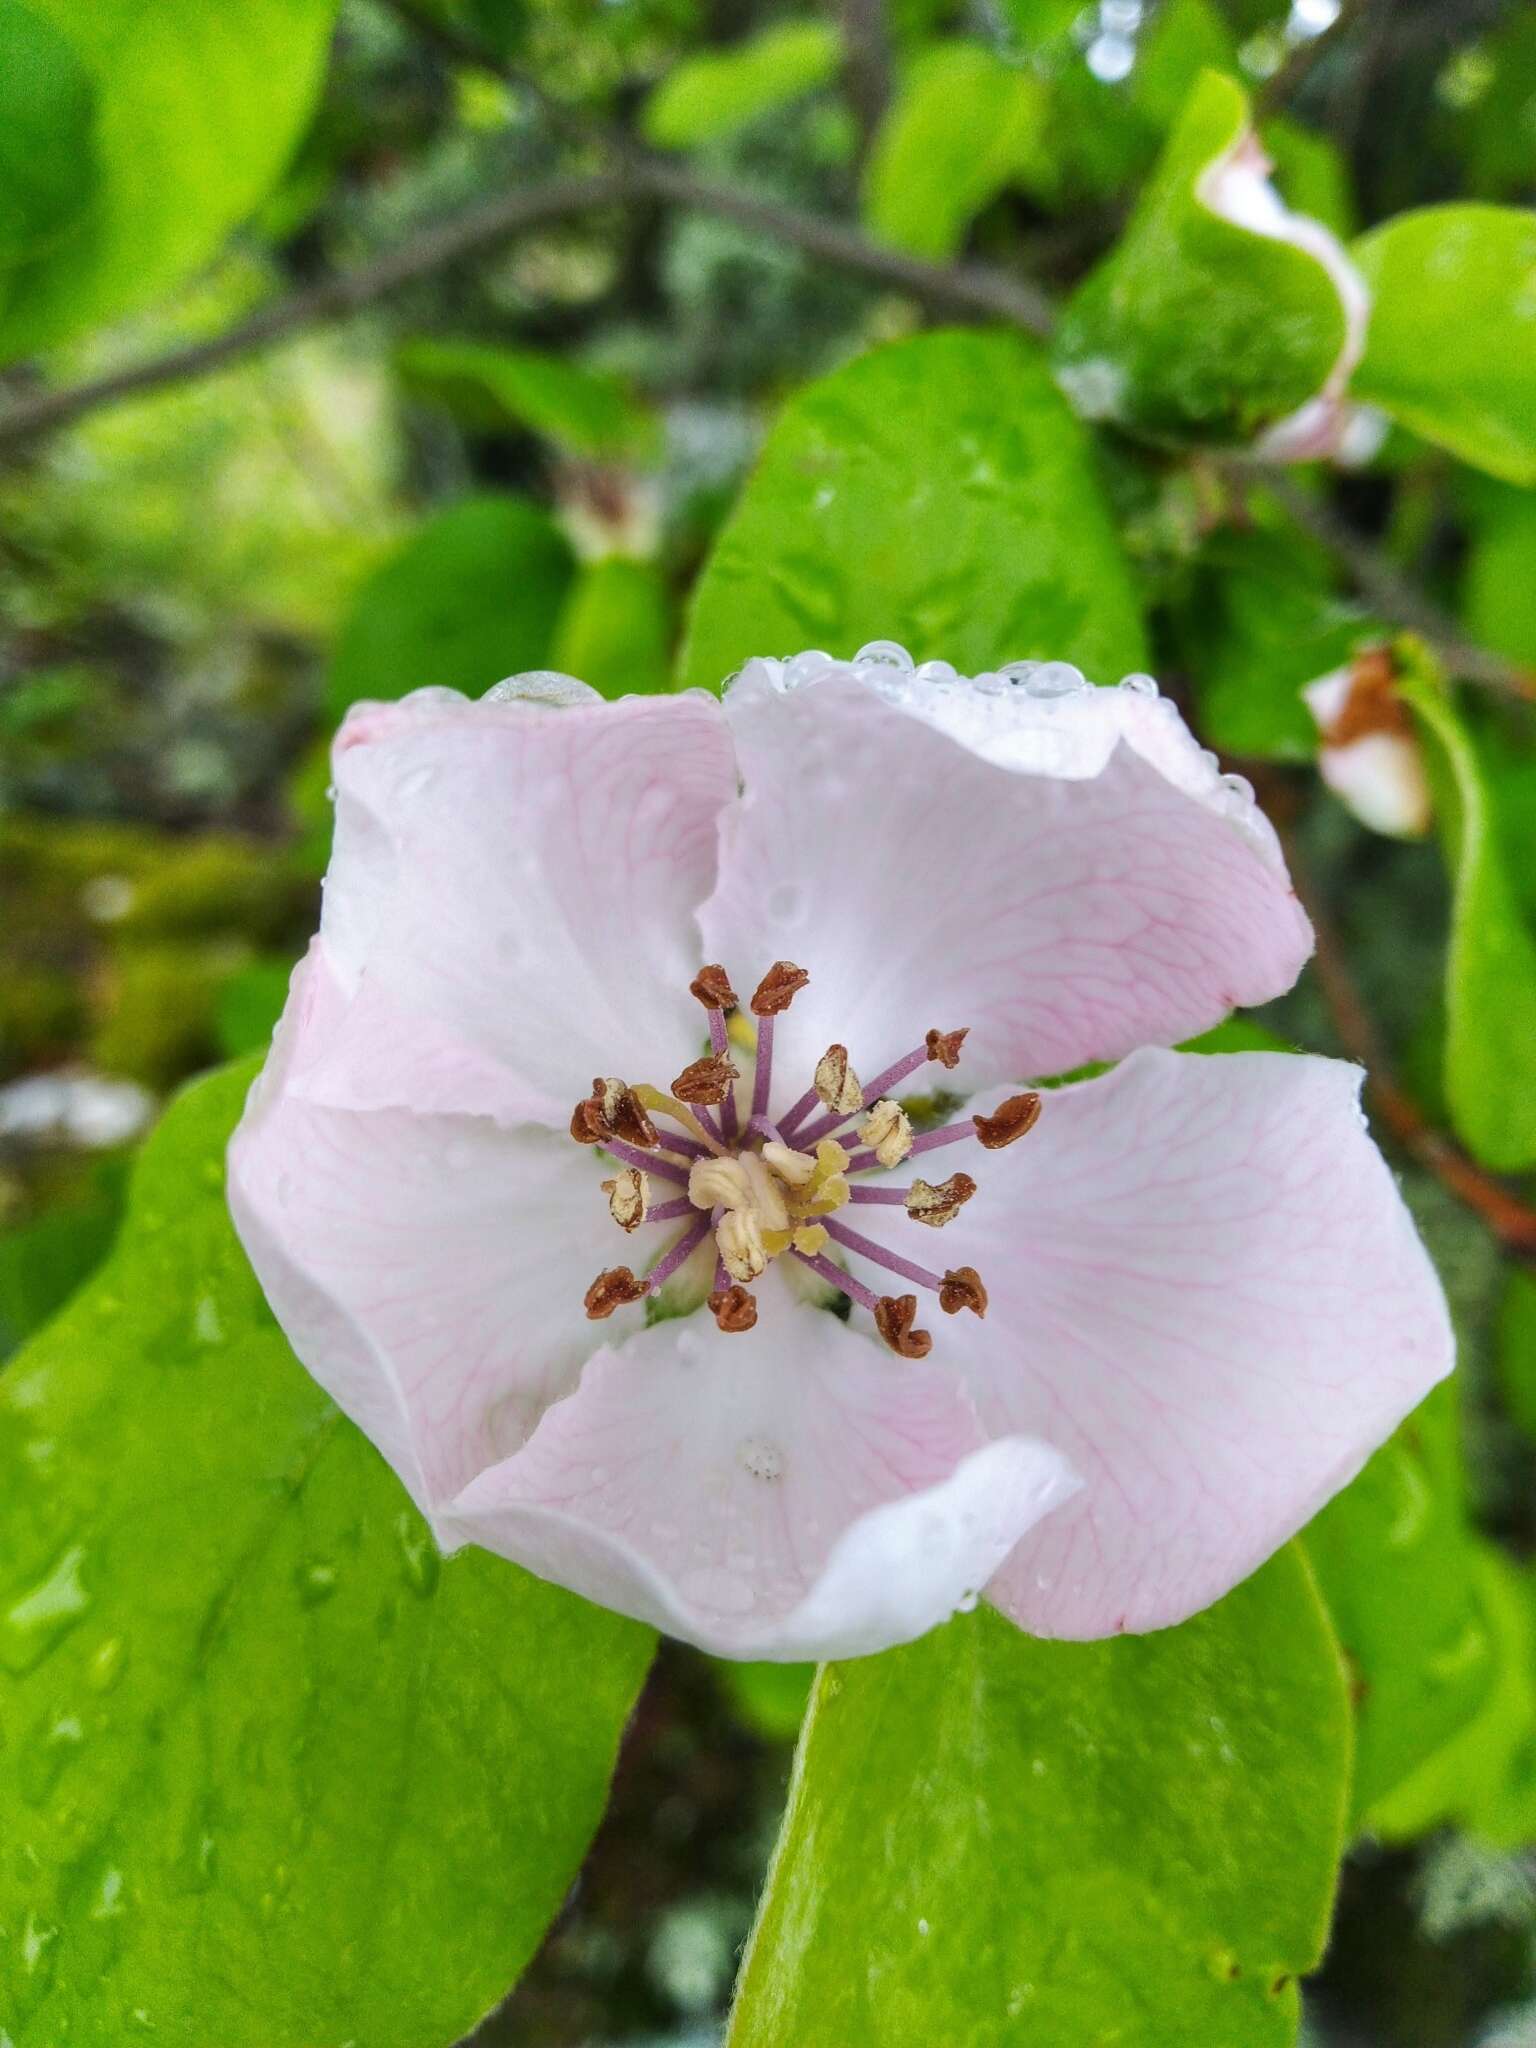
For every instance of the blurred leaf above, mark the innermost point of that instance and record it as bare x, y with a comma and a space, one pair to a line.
1497, 131
249, 1004
1311, 174
719, 91
487, 385
44, 1261
472, 597
1451, 347
1499, 601
1131, 1841
1490, 988
1517, 1349
1038, 24
48, 170
1259, 619
769, 1698
1394, 1557
936, 492
963, 127
1194, 327
275, 1774
1238, 1034
197, 110
1484, 1778
1185, 37
616, 629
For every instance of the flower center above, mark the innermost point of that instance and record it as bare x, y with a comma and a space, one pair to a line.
767, 1190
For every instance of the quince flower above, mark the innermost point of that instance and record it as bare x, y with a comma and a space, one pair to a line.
810, 1317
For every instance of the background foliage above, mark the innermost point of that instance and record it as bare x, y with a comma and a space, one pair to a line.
348, 350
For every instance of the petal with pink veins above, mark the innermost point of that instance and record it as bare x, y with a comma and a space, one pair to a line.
1206, 1290
795, 1492
1070, 878
510, 903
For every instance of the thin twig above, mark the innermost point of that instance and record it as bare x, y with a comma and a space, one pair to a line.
867, 65
1511, 1220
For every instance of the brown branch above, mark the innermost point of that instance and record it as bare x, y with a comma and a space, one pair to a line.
867, 65
1511, 1220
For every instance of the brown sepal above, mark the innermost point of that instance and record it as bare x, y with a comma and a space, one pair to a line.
778, 988
1371, 704
707, 1080
895, 1315
712, 987
611, 1290
1010, 1120
962, 1288
734, 1308
944, 1046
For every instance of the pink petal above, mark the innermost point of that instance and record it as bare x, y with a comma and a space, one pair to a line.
509, 907
1070, 878
428, 1270
794, 1492
1206, 1290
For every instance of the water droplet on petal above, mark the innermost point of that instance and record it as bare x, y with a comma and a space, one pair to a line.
547, 686
1140, 685
713, 1587
885, 653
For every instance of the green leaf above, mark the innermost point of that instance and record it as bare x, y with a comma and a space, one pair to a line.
197, 109
275, 1775
472, 597
963, 127
487, 385
1185, 38
1451, 347
1310, 174
769, 1698
1394, 1557
1499, 601
42, 1262
1517, 1349
1490, 969
994, 1840
250, 1002
1260, 619
1194, 328
48, 168
936, 492
719, 91
616, 629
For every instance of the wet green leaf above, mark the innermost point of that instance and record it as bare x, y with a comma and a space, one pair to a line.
1184, 38
1193, 327
275, 1775
48, 169
719, 91
937, 492
1451, 347
1490, 986
993, 1840
770, 1698
963, 127
473, 596
197, 109
616, 629
488, 385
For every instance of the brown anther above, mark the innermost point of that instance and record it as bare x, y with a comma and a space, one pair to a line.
613, 1110
894, 1316
712, 987
707, 1080
611, 1290
1010, 1120
778, 989
939, 1205
629, 1196
962, 1288
734, 1309
944, 1046
837, 1085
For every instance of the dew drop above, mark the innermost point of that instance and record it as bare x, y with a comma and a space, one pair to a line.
106, 1664
886, 654
922, 1927
316, 1583
108, 1903
712, 1586
1140, 685
423, 1564
761, 1457
546, 686
966, 1604
44, 1615
415, 782
207, 1324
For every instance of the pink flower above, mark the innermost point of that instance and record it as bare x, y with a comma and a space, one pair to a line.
768, 1362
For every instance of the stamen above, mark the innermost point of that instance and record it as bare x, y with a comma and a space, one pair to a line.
895, 1315
613, 1110
962, 1288
950, 1134
734, 1308
887, 1130
778, 989
712, 987
629, 1197
943, 1046
837, 1085
740, 1242
611, 1290
855, 1241
843, 1281
680, 1253
706, 1080
939, 1205
669, 1212
648, 1162
1010, 1120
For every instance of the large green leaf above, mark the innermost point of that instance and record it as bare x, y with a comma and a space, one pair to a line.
616, 629
474, 596
718, 91
992, 1840
488, 384
197, 109
1490, 969
274, 1775
47, 143
1193, 327
1499, 599
936, 492
1396, 1561
963, 127
1451, 347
